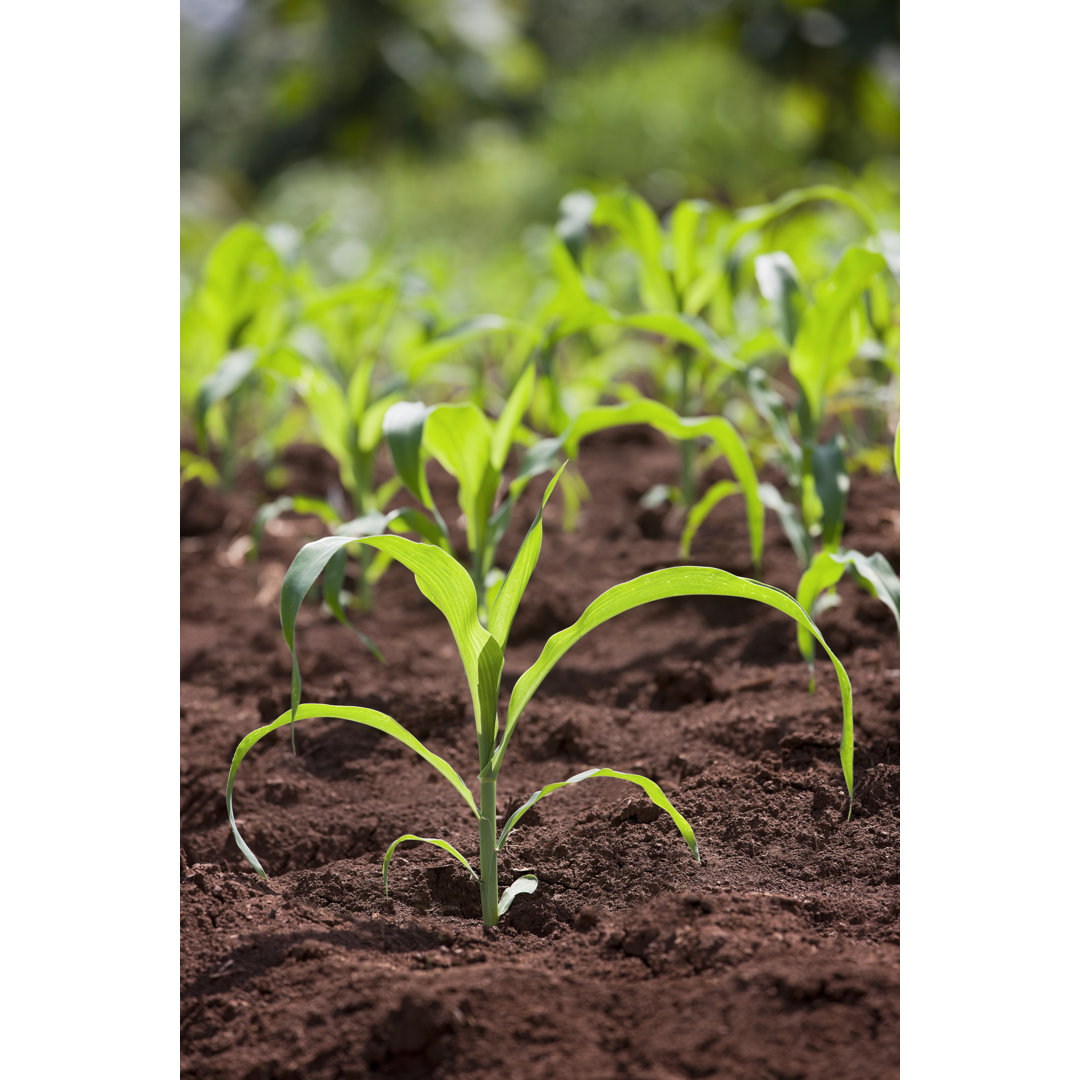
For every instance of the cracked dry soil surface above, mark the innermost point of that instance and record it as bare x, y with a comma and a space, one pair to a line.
777, 957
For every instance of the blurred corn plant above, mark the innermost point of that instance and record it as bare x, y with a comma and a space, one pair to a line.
839, 344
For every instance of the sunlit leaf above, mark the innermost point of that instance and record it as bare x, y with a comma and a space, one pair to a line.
435, 842
650, 787
701, 510
523, 885
660, 584
505, 606
719, 430
369, 718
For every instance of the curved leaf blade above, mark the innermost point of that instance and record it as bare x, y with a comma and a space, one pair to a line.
505, 605
229, 375
435, 842
831, 484
667, 421
876, 576
650, 787
757, 217
824, 344
659, 585
369, 718
459, 336
503, 432
790, 522
524, 885
442, 579
822, 573
686, 330
701, 510
779, 283
403, 429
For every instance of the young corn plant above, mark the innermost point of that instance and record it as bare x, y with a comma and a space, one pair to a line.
673, 285
672, 299
240, 307
473, 450
482, 651
824, 331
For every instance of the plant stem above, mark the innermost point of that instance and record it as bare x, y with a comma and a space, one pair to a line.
489, 860
363, 500
686, 446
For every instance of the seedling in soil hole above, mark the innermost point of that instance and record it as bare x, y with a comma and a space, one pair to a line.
449, 587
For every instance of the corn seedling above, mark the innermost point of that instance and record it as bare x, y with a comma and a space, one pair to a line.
239, 308
674, 286
473, 450
482, 650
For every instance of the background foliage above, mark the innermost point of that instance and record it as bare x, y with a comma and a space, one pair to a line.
446, 131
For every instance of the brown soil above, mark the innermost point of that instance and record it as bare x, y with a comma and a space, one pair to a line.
777, 957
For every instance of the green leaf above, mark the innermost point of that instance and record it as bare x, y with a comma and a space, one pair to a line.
410, 518
780, 285
540, 457
772, 408
632, 216
525, 884
358, 388
686, 330
823, 573
876, 576
648, 786
575, 216
230, 374
458, 436
424, 840
325, 399
505, 606
873, 573
503, 432
461, 335
701, 510
371, 423
660, 584
831, 484
686, 221
757, 217
403, 425
403, 428
665, 420
827, 338
368, 717
440, 578
790, 522
194, 467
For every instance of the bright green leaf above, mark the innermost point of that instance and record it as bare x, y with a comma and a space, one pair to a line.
674, 581
650, 787
434, 841
368, 717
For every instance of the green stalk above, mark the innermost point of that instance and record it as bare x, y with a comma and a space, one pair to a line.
229, 452
686, 446
363, 469
489, 862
